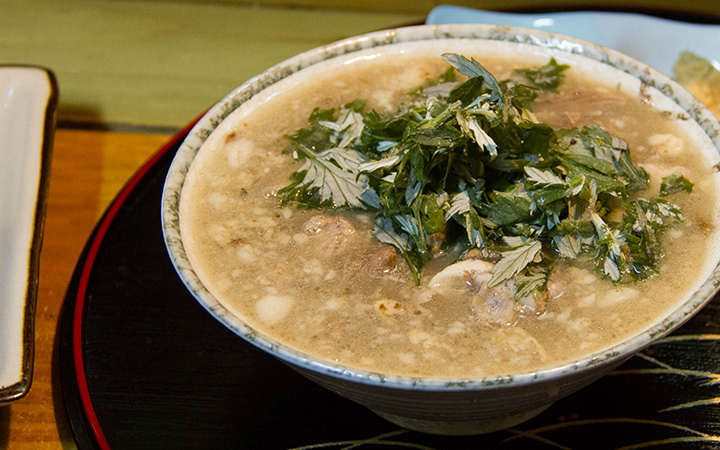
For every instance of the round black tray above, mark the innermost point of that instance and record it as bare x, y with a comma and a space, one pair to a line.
144, 366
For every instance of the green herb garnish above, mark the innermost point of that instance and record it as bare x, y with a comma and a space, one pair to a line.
548, 77
472, 163
675, 183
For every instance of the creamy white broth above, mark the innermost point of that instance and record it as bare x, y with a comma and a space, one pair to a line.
309, 278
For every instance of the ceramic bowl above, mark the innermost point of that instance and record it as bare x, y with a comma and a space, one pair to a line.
443, 406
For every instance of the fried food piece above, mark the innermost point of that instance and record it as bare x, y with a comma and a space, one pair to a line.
701, 78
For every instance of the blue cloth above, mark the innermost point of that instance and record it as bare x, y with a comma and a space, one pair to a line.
656, 42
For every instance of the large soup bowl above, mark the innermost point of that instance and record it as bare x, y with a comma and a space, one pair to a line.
441, 405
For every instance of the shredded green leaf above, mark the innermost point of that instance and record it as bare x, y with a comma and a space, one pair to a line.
548, 77
675, 183
470, 161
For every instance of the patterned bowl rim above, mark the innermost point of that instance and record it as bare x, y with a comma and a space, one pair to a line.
542, 39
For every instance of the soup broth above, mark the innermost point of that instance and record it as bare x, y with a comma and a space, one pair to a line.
320, 282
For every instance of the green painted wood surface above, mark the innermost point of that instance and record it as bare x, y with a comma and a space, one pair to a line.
665, 7
160, 64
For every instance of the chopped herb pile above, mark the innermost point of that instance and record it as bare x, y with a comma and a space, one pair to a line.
468, 163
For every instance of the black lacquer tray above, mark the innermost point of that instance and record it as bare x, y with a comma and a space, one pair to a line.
144, 366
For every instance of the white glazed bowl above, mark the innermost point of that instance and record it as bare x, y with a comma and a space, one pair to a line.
443, 406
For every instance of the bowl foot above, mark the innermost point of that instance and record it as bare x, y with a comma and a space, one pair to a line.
460, 428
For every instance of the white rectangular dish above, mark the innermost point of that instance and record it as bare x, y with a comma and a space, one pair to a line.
28, 100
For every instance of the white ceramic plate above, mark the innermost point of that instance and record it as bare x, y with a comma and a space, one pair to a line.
654, 41
28, 98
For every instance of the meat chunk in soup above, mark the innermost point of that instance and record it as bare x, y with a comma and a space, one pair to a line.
334, 234
383, 262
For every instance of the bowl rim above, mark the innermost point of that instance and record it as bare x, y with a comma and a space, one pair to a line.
540, 38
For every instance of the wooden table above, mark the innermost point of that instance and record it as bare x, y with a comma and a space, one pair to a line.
130, 75
89, 167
